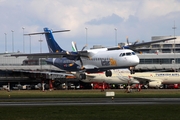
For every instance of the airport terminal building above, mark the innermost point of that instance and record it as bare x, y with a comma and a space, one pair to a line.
160, 56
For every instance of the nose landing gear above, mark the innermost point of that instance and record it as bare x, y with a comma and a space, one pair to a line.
132, 71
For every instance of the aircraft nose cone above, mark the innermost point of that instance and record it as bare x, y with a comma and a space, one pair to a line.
136, 60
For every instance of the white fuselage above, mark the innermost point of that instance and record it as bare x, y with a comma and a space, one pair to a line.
116, 78
102, 58
163, 77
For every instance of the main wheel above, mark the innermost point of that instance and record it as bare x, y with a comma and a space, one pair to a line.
108, 73
82, 76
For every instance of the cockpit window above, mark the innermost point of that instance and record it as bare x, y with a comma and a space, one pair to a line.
123, 54
133, 53
127, 54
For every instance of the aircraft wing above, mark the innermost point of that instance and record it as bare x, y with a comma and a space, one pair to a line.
46, 55
47, 74
133, 46
144, 79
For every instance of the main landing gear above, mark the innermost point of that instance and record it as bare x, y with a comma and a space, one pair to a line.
108, 73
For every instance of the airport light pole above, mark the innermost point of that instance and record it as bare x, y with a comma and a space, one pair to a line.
174, 34
40, 60
5, 42
23, 41
174, 30
174, 46
12, 40
115, 36
29, 43
40, 45
86, 35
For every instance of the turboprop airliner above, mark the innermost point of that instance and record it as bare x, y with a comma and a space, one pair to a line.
85, 61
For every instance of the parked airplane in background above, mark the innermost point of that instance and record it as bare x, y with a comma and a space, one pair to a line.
156, 79
116, 78
89, 61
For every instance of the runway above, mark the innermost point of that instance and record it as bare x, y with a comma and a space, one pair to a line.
86, 101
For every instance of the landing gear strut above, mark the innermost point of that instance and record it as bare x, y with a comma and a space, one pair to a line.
132, 70
108, 73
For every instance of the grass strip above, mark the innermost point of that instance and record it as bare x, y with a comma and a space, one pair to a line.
89, 94
98, 112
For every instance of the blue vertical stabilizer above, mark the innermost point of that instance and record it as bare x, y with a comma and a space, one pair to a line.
52, 44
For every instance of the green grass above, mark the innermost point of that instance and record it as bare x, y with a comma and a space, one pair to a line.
97, 112
89, 112
89, 94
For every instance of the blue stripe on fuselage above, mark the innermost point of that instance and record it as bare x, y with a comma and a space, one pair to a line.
64, 63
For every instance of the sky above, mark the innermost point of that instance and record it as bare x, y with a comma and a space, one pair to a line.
91, 22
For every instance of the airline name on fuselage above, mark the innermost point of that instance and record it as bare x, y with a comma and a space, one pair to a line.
167, 74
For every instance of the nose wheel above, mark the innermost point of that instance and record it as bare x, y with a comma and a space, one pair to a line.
108, 73
132, 71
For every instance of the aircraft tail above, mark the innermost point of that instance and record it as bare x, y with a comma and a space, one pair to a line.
52, 44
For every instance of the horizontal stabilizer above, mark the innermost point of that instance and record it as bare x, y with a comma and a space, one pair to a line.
47, 32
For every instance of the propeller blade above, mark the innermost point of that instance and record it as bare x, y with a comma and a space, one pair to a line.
81, 63
74, 47
136, 42
84, 47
